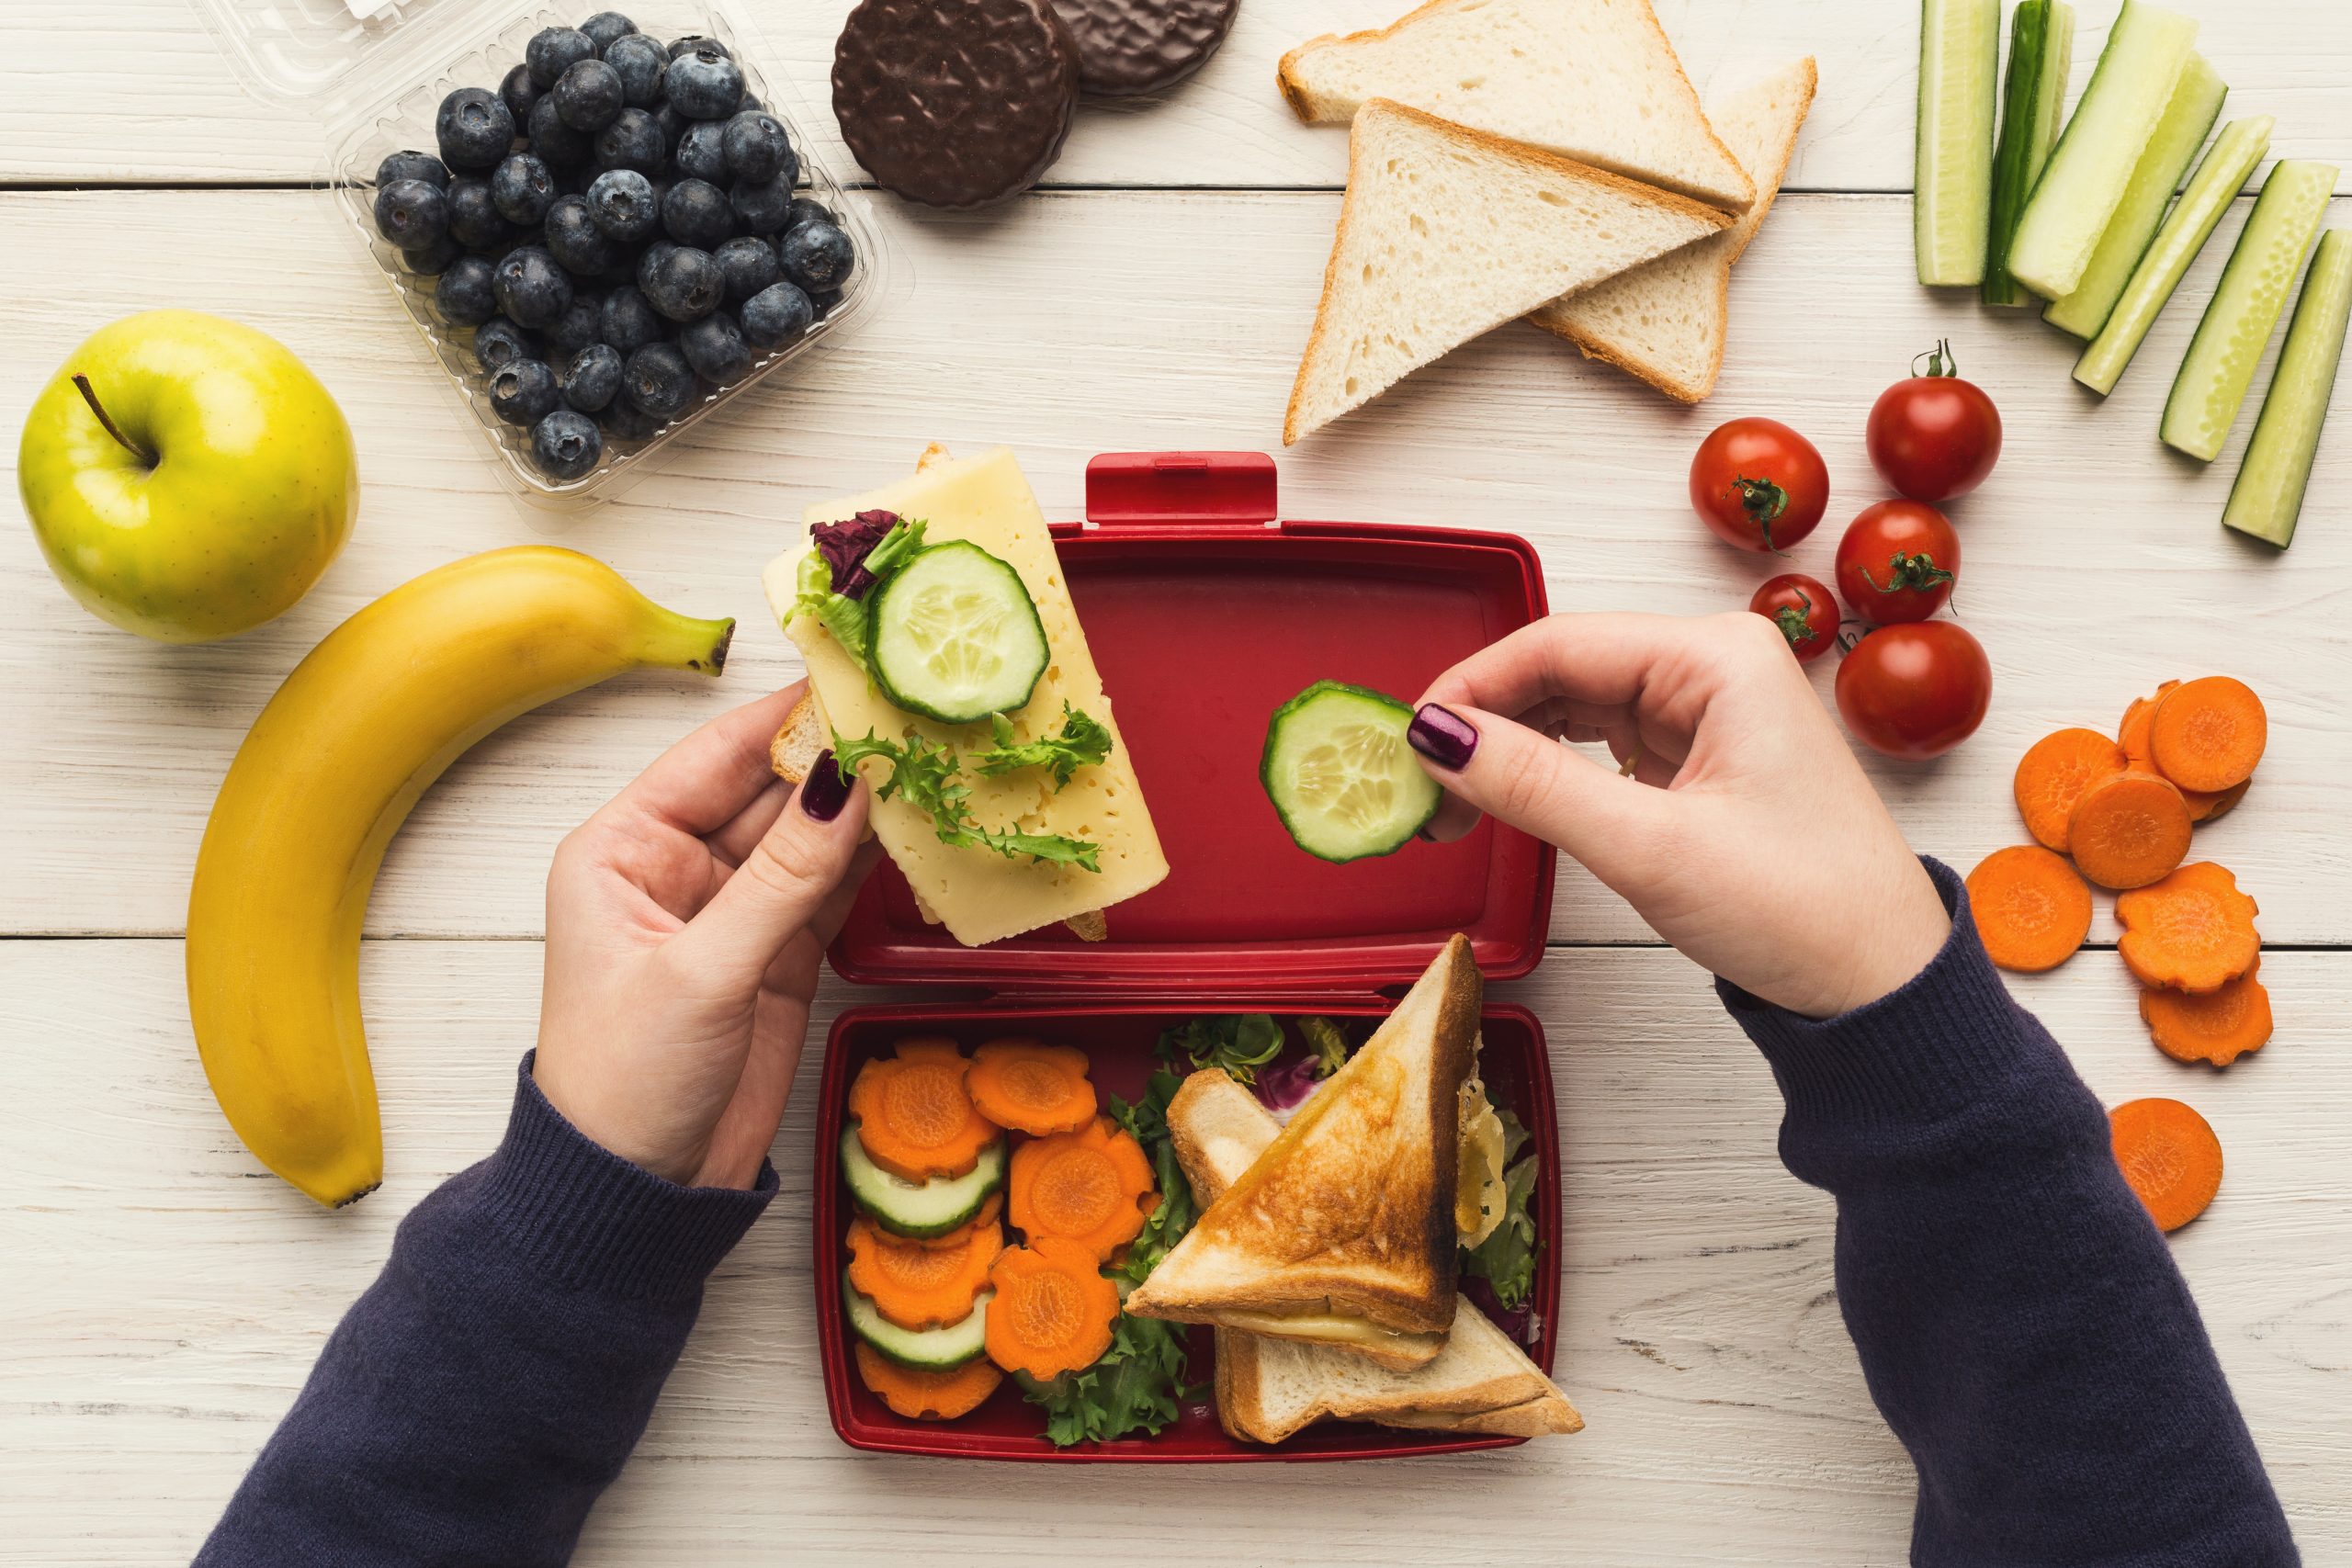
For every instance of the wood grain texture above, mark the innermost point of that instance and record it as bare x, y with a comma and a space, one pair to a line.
137, 91
166, 1296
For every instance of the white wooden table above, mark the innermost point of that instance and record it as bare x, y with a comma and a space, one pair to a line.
161, 1297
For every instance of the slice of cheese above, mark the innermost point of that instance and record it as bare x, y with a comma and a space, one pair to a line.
978, 894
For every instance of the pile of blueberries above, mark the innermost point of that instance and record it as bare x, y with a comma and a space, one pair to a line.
616, 222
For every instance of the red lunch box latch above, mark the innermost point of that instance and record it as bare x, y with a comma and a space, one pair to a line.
1231, 488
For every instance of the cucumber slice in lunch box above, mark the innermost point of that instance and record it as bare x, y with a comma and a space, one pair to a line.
2211, 385
1340, 775
953, 635
2196, 105
1960, 58
924, 1349
2033, 103
2234, 153
919, 1209
2269, 490
2147, 52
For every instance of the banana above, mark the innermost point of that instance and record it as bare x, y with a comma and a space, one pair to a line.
325, 777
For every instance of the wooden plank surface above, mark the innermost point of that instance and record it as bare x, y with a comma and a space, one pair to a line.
191, 122
166, 1297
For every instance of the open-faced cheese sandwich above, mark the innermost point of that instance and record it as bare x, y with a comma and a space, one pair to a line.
946, 664
1341, 1232
1268, 1388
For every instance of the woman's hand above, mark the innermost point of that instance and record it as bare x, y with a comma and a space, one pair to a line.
685, 919
1747, 834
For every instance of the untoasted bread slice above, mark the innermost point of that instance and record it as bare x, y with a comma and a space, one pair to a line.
1592, 80
1536, 1418
1665, 321
1447, 233
1347, 1218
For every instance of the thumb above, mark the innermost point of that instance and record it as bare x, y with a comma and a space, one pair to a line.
784, 881
1526, 779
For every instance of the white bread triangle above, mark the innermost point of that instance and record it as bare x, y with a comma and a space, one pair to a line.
1448, 233
1665, 321
1592, 80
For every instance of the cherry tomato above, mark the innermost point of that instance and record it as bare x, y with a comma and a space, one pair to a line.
1758, 484
1917, 690
1935, 437
1898, 562
1804, 611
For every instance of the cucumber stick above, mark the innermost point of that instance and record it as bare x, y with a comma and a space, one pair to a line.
2241, 144
2269, 490
1960, 57
2145, 54
2196, 105
2230, 340
2033, 103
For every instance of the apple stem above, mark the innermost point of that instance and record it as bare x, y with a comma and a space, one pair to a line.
91, 398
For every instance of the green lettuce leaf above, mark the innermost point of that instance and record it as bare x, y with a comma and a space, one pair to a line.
926, 775
1506, 1260
838, 612
1240, 1043
1326, 1043
1083, 742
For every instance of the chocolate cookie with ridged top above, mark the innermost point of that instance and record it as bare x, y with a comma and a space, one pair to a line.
1126, 47
955, 103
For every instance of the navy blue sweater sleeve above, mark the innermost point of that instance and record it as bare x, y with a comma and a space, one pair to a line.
2019, 1317
486, 1388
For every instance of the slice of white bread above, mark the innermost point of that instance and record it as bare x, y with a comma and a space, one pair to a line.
1592, 80
1449, 232
1665, 321
1266, 1389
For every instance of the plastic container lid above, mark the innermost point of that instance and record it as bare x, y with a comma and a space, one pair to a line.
349, 53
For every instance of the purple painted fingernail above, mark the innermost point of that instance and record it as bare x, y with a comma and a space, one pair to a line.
824, 792
1444, 737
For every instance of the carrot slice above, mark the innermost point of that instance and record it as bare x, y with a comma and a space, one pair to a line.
2218, 1027
1053, 1310
927, 1396
921, 1287
1092, 1186
2032, 910
1030, 1088
2209, 734
913, 1117
2192, 932
2132, 733
2170, 1156
2130, 830
2053, 775
2204, 807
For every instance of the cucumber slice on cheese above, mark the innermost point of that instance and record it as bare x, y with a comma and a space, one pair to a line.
953, 635
2269, 492
919, 1209
1960, 56
1340, 774
924, 1349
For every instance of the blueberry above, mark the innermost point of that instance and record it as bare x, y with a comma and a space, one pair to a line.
659, 381
685, 285
630, 321
632, 141
557, 144
715, 347
757, 147
522, 391
607, 27
531, 289
474, 127
474, 220
622, 420
566, 445
816, 255
588, 95
410, 213
411, 164
695, 41
621, 203
762, 206
522, 188
704, 83
581, 324
702, 151
642, 63
432, 259
575, 242
464, 296
651, 257
823, 301
673, 124
806, 211
695, 212
519, 94
748, 264
590, 379
554, 50
499, 342
777, 317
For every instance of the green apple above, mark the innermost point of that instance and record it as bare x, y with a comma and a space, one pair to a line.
188, 477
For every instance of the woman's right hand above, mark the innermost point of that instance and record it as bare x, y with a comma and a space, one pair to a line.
1747, 834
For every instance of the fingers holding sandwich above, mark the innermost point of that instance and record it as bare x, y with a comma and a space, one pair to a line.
802, 869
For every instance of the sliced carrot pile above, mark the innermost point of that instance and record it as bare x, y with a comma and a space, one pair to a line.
1053, 1309
921, 1287
913, 1116
2053, 775
2218, 1027
1092, 1186
2170, 1156
2192, 932
1030, 1088
927, 1396
2132, 733
2129, 831
2033, 910
988, 1219
2209, 734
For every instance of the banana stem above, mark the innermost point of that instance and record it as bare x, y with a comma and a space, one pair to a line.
682, 642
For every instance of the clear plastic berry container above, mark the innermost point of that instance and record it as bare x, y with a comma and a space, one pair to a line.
374, 72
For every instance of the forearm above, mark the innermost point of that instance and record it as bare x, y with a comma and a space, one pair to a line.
482, 1393
2018, 1318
